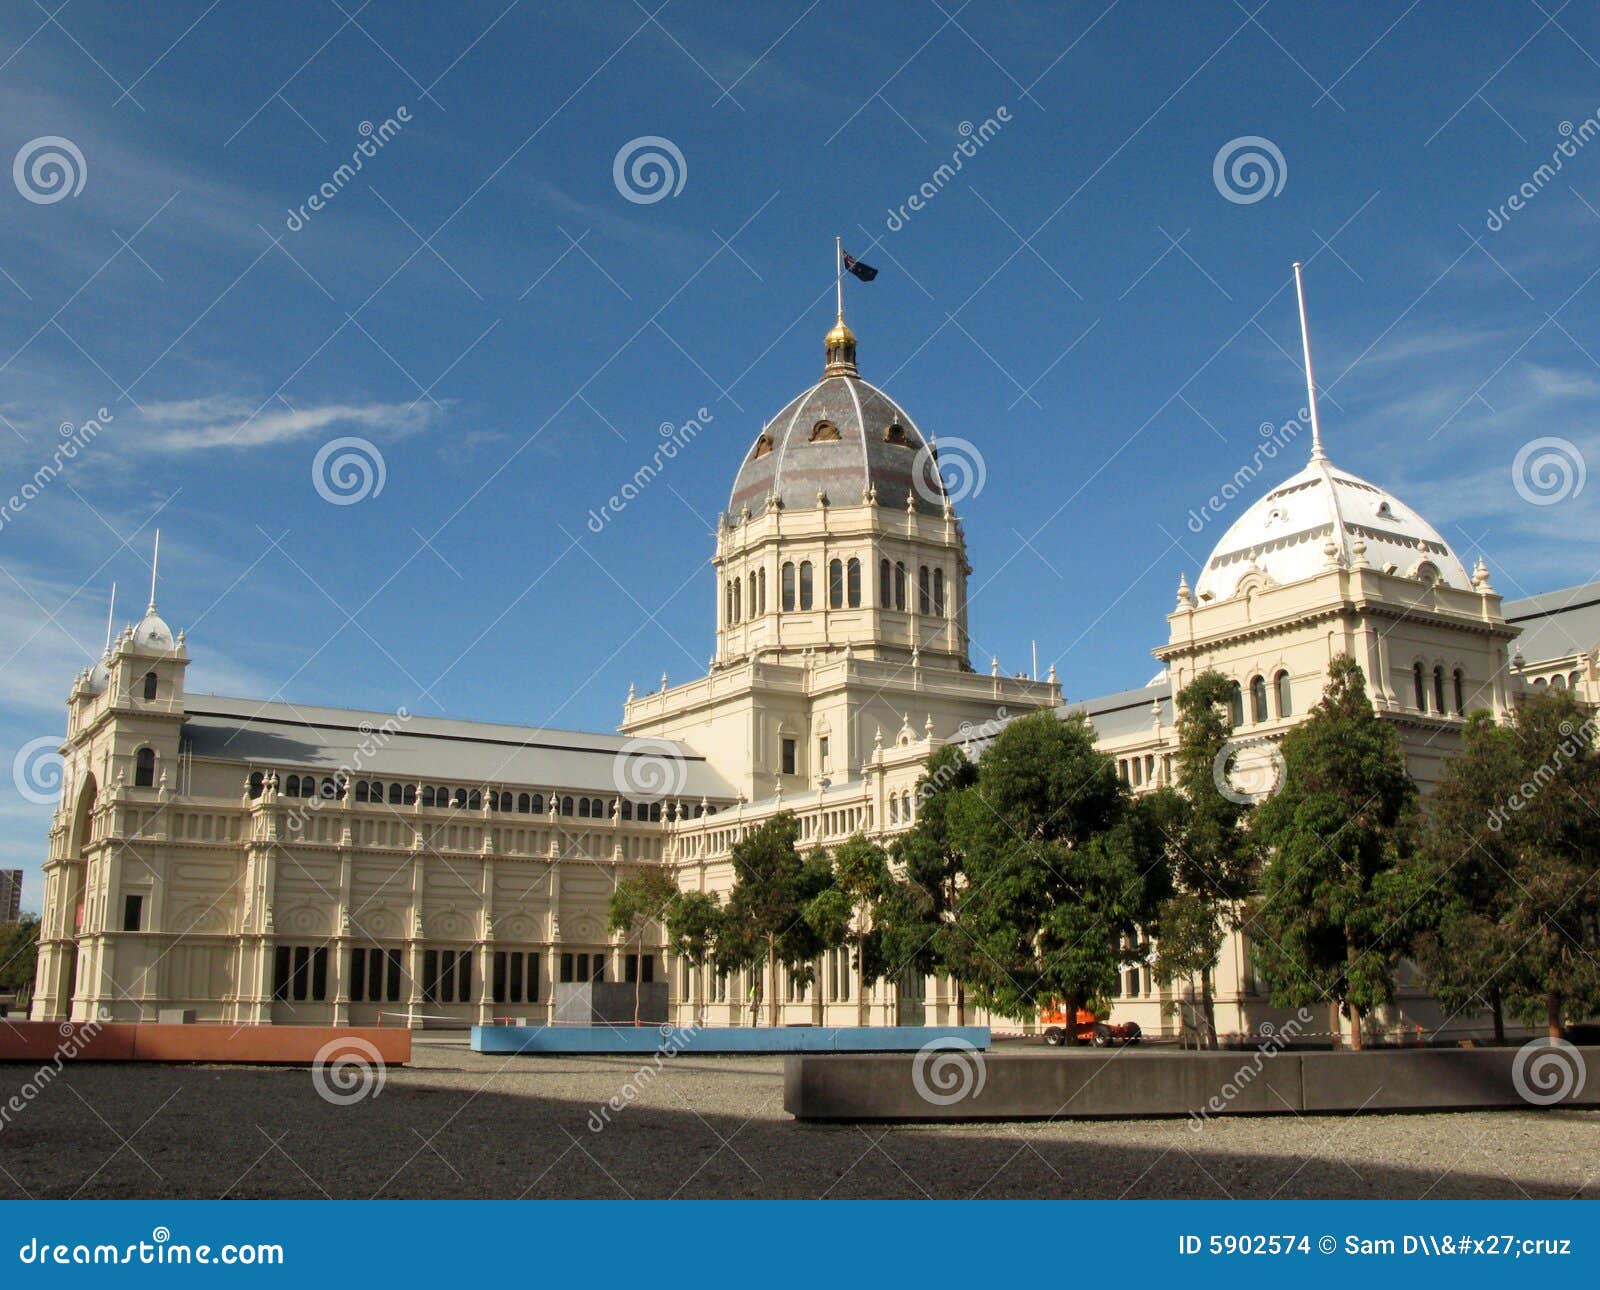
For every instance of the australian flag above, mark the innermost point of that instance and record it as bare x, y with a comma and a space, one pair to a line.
863, 271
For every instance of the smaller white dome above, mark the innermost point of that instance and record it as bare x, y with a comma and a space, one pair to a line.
100, 674
1288, 534
153, 632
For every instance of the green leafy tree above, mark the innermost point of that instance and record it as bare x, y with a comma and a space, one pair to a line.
1465, 867
843, 912
1331, 919
913, 927
637, 901
764, 923
1057, 887
19, 950
1211, 857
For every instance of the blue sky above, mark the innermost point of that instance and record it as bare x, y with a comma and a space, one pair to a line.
483, 304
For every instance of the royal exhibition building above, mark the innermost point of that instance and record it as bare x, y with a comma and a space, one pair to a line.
264, 862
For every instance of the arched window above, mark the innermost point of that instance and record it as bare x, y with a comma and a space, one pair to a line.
761, 588
853, 583
1258, 699
475, 800
626, 811
894, 809
885, 584
788, 586
524, 804
427, 794
144, 768
1572, 680
331, 789
1419, 687
410, 794
538, 803
1539, 683
566, 806
397, 793
751, 607
924, 592
255, 783
1285, 708
1558, 682
1438, 690
1235, 705
150, 684
938, 592
583, 808
835, 584
1460, 695
364, 791
899, 585
805, 584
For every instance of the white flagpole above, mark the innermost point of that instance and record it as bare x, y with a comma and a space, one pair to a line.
1311, 381
838, 273
111, 615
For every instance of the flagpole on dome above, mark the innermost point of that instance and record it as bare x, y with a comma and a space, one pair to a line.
1311, 381
838, 274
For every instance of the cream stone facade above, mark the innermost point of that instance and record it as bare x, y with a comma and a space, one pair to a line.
263, 862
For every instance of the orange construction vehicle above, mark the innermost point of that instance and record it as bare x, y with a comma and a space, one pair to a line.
1090, 1028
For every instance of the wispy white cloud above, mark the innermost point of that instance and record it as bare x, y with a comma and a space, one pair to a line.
196, 425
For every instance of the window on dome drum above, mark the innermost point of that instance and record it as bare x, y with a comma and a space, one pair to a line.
885, 584
1460, 695
924, 599
853, 583
788, 755
132, 913
835, 584
899, 585
805, 584
566, 806
144, 768
824, 432
537, 806
427, 794
374, 975
257, 780
1419, 687
1438, 690
1281, 682
788, 587
762, 448
583, 808
1258, 699
938, 593
150, 684
896, 433
300, 973
516, 977
1235, 705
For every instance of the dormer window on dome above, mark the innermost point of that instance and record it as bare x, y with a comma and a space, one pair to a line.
824, 432
895, 433
762, 448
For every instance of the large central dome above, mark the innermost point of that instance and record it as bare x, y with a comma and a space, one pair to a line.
843, 440
1286, 535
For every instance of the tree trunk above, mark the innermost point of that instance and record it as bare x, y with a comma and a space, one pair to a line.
1069, 1010
961, 1004
1335, 1023
1552, 1015
1208, 1011
1355, 1028
638, 977
772, 966
863, 1012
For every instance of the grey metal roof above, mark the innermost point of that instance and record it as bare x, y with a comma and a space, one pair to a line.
1556, 623
253, 732
863, 455
1126, 712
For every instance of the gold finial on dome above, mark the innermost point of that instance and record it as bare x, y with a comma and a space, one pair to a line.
840, 344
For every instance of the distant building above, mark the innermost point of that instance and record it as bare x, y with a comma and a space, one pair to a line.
10, 895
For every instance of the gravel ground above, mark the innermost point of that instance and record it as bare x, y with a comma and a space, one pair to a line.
460, 1124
